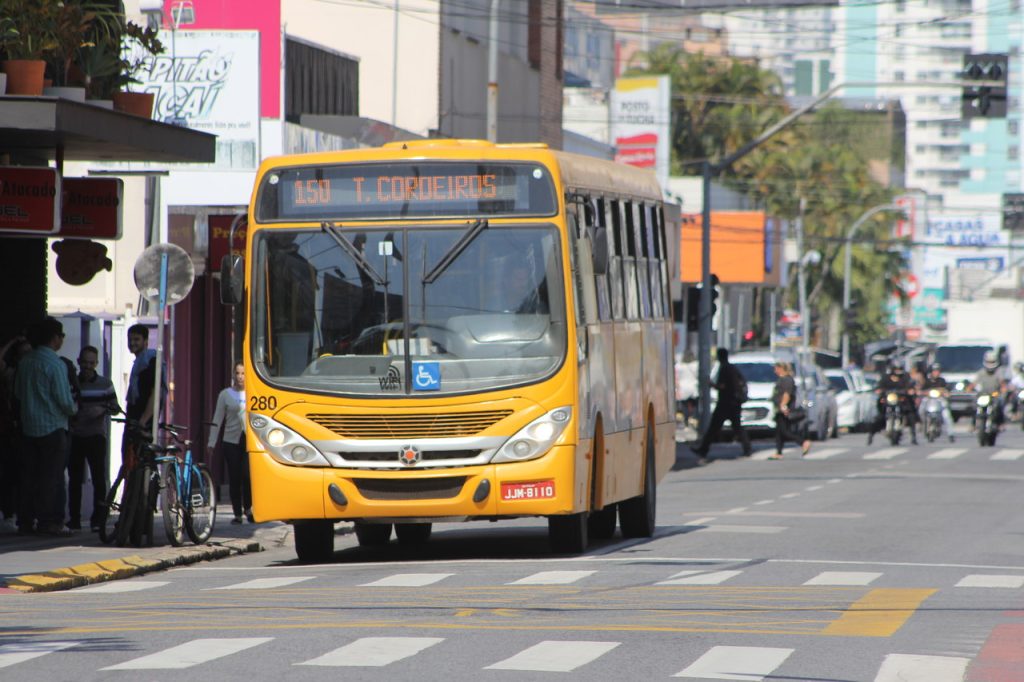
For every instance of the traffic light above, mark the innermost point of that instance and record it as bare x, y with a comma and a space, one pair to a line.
984, 101
714, 294
1013, 212
692, 308
851, 318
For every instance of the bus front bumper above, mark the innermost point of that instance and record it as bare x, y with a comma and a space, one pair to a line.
544, 486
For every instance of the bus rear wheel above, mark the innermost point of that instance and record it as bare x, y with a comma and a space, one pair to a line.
637, 514
413, 533
568, 534
601, 524
314, 541
373, 534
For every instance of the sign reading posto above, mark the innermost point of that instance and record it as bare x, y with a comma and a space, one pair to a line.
29, 200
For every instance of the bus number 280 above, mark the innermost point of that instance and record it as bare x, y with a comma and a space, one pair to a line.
262, 402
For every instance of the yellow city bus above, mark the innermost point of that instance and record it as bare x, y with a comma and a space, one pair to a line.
451, 330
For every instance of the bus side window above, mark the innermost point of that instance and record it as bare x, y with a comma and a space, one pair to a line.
653, 260
615, 261
629, 268
661, 235
644, 259
581, 258
600, 218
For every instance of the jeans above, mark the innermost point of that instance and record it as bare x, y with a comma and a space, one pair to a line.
91, 450
43, 460
238, 476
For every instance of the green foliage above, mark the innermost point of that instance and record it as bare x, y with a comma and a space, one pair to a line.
27, 28
721, 104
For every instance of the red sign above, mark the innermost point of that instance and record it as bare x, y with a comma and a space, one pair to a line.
91, 208
905, 226
540, 490
29, 200
220, 231
637, 150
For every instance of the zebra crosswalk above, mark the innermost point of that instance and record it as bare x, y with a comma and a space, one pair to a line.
821, 452
716, 662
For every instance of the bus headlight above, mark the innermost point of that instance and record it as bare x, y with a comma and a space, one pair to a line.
284, 445
536, 438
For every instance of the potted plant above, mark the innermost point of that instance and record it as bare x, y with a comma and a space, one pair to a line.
139, 45
98, 59
72, 26
27, 36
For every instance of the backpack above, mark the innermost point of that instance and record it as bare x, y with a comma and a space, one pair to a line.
741, 387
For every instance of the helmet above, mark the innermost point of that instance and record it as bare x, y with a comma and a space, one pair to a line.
991, 360
895, 365
1019, 366
935, 367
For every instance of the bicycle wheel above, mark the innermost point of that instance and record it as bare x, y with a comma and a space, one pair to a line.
110, 510
142, 529
173, 509
129, 507
201, 509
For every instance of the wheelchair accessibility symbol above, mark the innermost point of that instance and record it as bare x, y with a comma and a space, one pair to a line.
426, 376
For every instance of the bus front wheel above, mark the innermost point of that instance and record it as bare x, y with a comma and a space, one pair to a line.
314, 541
373, 534
637, 514
568, 534
412, 533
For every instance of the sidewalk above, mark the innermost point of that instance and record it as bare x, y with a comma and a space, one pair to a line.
42, 564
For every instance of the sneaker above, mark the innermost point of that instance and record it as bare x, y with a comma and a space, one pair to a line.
871, 437
55, 529
237, 521
805, 448
248, 515
777, 455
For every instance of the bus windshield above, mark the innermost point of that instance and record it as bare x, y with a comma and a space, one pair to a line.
408, 311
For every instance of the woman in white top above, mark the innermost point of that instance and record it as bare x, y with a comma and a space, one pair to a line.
230, 412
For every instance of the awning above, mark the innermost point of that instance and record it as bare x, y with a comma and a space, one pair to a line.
38, 126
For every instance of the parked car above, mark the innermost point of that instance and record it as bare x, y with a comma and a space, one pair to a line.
854, 398
820, 400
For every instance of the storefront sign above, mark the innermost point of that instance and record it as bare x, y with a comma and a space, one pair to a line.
29, 200
220, 230
640, 115
91, 208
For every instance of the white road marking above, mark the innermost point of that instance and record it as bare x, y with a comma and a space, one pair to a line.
765, 502
1007, 455
834, 480
264, 583
555, 657
718, 528
120, 586
799, 515
886, 453
843, 578
553, 578
736, 510
1006, 581
789, 496
947, 453
699, 578
911, 668
736, 663
824, 453
191, 653
813, 488
409, 580
373, 652
20, 652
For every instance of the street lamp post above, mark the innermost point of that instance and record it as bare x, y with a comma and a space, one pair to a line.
847, 264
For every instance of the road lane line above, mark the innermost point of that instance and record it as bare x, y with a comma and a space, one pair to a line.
552, 578
910, 668
375, 652
764, 502
947, 453
879, 613
736, 663
825, 453
789, 496
699, 578
849, 578
886, 453
813, 488
1002, 581
119, 586
409, 580
555, 657
20, 652
263, 583
191, 653
1007, 455
719, 528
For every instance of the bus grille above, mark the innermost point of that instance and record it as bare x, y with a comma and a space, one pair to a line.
411, 489
392, 455
449, 425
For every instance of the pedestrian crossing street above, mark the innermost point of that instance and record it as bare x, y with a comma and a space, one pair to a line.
717, 662
821, 451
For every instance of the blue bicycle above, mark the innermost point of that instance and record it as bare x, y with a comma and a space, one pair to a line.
187, 492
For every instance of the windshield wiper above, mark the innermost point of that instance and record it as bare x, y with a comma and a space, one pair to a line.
356, 254
457, 248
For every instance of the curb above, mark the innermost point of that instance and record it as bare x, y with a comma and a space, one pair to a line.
115, 569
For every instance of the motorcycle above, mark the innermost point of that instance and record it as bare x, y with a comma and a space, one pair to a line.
894, 417
933, 415
986, 424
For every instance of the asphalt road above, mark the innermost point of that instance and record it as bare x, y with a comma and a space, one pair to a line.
853, 564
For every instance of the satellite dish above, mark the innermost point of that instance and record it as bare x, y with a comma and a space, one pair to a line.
180, 273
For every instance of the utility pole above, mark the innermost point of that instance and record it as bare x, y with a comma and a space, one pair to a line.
801, 282
492, 75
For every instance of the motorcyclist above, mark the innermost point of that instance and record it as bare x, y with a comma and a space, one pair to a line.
898, 381
991, 380
934, 380
1016, 387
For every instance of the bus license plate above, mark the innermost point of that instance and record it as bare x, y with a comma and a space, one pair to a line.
539, 490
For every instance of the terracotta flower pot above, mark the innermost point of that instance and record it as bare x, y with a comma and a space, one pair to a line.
24, 76
138, 103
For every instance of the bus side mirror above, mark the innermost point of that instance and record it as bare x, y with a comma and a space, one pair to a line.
232, 276
600, 249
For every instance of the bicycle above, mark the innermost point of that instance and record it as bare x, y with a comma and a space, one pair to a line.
151, 472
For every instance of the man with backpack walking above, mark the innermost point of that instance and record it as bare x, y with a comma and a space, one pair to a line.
732, 393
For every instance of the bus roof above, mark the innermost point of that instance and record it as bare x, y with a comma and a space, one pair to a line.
577, 171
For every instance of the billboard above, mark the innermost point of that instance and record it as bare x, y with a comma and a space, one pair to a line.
740, 244
637, 6
640, 116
